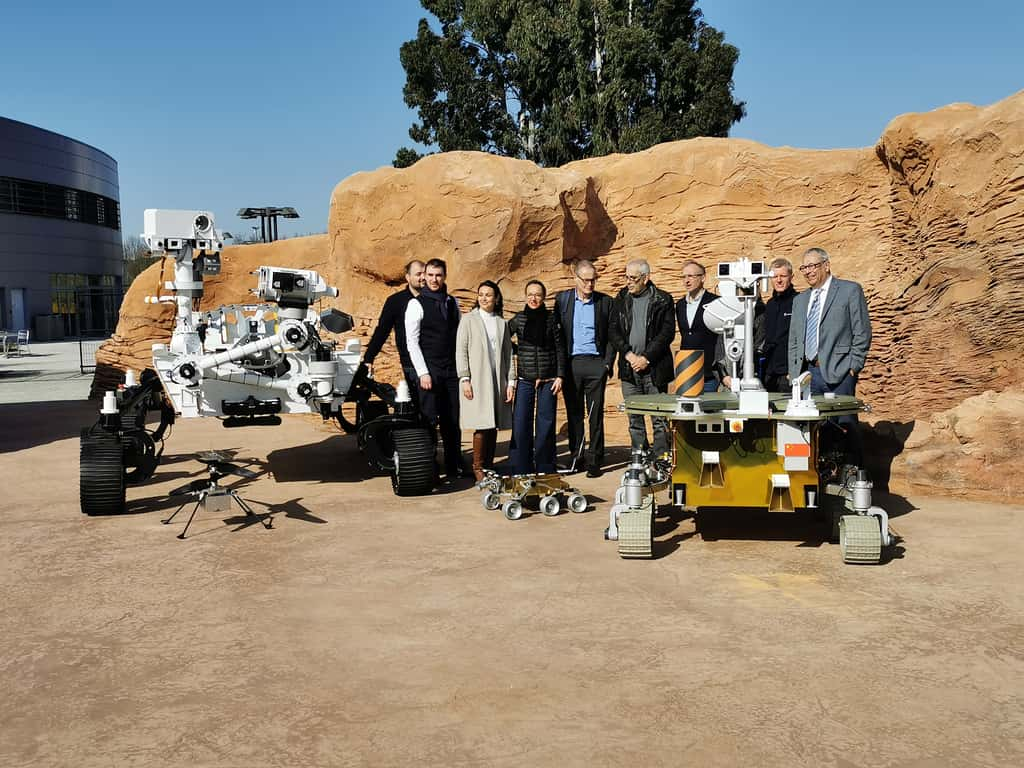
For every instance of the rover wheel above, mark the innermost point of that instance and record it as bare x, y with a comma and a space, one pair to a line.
140, 457
101, 474
550, 506
577, 502
636, 532
513, 510
414, 463
491, 500
860, 539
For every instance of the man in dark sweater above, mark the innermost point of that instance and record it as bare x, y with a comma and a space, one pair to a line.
431, 324
392, 317
777, 314
641, 330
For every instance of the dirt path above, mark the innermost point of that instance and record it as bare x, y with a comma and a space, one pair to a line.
368, 630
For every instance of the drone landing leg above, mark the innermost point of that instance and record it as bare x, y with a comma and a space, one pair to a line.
265, 519
192, 516
168, 520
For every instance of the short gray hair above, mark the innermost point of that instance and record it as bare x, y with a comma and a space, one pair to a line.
583, 264
640, 265
818, 252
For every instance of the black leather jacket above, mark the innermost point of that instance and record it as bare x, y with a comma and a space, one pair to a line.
661, 330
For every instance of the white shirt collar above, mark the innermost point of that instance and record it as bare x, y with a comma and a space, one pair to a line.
697, 300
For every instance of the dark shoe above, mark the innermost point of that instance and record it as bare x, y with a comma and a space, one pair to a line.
461, 471
595, 472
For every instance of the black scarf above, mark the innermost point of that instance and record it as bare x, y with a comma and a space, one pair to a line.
441, 297
535, 331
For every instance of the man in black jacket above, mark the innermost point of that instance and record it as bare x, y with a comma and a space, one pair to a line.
584, 314
690, 316
431, 324
777, 314
392, 317
641, 331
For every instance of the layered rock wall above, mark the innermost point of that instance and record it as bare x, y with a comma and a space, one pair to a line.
930, 221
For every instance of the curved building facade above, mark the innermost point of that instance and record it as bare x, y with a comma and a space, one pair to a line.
60, 232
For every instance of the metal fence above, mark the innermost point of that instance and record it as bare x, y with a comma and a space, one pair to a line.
95, 318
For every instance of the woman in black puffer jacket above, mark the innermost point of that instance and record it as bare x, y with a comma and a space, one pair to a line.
539, 371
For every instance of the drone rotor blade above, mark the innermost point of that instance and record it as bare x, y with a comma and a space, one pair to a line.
228, 468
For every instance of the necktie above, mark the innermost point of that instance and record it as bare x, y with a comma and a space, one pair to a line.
811, 339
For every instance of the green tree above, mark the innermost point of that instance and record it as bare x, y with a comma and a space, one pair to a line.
559, 80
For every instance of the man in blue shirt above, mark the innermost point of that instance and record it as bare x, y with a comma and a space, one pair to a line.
584, 315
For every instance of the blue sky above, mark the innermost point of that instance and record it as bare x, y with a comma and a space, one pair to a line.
221, 105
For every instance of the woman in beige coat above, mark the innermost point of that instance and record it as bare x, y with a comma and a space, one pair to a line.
483, 359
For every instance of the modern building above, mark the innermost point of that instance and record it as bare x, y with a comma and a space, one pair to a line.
60, 233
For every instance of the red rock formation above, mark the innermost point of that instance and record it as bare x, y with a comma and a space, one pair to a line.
930, 221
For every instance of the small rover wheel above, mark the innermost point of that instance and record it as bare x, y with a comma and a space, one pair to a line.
550, 506
491, 500
513, 510
414, 462
860, 539
101, 479
577, 502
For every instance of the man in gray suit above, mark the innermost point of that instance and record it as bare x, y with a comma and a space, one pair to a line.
830, 332
829, 335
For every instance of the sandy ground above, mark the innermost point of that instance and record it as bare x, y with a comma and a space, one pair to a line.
367, 630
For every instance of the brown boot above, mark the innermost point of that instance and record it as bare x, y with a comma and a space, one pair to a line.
478, 454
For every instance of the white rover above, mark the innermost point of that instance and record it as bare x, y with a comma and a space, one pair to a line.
246, 364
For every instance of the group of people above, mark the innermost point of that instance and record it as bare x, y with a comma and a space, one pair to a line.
482, 373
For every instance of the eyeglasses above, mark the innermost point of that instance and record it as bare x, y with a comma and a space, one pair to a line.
811, 267
691, 277
635, 278
586, 279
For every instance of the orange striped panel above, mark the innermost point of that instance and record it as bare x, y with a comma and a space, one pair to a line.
689, 373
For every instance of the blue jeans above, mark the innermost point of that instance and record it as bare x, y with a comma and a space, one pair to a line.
533, 429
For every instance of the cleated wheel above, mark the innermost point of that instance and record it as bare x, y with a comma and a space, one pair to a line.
491, 500
550, 506
636, 531
101, 474
414, 472
513, 510
860, 539
577, 502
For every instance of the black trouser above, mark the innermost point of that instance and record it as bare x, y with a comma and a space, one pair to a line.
845, 386
585, 387
440, 404
777, 382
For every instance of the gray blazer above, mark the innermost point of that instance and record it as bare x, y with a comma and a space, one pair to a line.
844, 335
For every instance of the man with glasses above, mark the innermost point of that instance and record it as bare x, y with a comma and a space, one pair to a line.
641, 331
584, 315
830, 332
690, 316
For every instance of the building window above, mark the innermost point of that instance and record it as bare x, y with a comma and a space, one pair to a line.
71, 204
34, 198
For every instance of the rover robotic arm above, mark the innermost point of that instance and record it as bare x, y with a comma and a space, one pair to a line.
246, 364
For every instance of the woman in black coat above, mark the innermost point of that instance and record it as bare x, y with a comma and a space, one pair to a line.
539, 371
